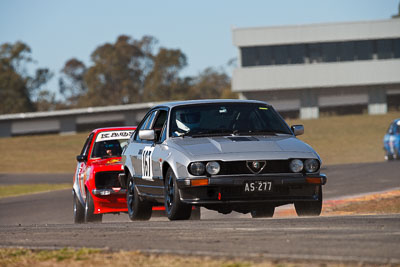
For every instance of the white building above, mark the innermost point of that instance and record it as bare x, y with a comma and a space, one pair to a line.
305, 70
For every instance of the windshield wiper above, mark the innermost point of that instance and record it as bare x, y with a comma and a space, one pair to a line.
270, 132
250, 132
222, 132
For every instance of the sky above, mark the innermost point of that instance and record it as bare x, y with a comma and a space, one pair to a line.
59, 30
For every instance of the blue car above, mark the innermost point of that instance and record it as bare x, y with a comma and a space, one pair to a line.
391, 141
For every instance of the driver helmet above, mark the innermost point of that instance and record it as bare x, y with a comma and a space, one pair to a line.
188, 120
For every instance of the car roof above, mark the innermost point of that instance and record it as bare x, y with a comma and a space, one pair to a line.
121, 128
207, 101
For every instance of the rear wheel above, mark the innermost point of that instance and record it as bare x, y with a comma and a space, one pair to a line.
310, 208
263, 212
89, 210
138, 209
79, 211
174, 207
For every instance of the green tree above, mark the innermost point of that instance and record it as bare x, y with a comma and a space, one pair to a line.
132, 71
72, 82
17, 88
211, 83
119, 71
163, 82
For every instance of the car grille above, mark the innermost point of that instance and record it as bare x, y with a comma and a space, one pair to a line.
240, 167
106, 180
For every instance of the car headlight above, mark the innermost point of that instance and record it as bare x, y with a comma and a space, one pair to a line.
213, 167
311, 165
197, 168
296, 165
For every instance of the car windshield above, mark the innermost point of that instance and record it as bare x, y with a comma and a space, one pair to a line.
226, 119
109, 148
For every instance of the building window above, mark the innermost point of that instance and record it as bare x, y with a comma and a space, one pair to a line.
364, 50
328, 52
384, 49
346, 51
281, 54
249, 56
320, 52
314, 50
265, 53
297, 53
396, 48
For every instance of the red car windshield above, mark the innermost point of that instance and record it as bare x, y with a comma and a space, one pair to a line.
108, 148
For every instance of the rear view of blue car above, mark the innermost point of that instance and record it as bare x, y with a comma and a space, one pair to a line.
391, 141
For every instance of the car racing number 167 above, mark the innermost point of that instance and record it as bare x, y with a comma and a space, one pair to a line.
147, 170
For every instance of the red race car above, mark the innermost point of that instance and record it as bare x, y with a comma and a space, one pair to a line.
96, 189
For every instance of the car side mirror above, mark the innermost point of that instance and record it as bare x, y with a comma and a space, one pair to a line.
81, 158
148, 135
297, 129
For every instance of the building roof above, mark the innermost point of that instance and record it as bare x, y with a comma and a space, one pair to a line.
312, 33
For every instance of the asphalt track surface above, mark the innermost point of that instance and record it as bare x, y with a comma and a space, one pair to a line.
45, 221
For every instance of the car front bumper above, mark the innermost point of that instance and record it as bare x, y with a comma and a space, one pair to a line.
108, 192
286, 188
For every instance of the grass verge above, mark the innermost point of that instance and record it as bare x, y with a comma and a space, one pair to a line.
383, 203
23, 189
338, 140
379, 203
89, 257
42, 153
347, 139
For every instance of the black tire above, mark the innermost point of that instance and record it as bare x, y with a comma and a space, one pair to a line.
396, 154
138, 209
263, 212
388, 156
196, 214
89, 210
310, 208
174, 207
79, 211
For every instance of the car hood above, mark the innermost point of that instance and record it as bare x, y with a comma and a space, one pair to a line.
114, 161
283, 146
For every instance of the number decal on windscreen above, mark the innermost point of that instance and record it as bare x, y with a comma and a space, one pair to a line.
147, 170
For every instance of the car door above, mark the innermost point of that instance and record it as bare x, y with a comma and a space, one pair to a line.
395, 138
388, 139
159, 151
139, 153
146, 156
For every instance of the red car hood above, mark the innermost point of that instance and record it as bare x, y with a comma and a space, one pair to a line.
112, 163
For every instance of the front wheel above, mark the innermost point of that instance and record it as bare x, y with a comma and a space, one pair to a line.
388, 156
138, 209
89, 210
396, 154
310, 208
174, 207
79, 211
263, 212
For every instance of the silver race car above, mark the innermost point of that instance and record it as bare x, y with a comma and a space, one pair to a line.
224, 155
